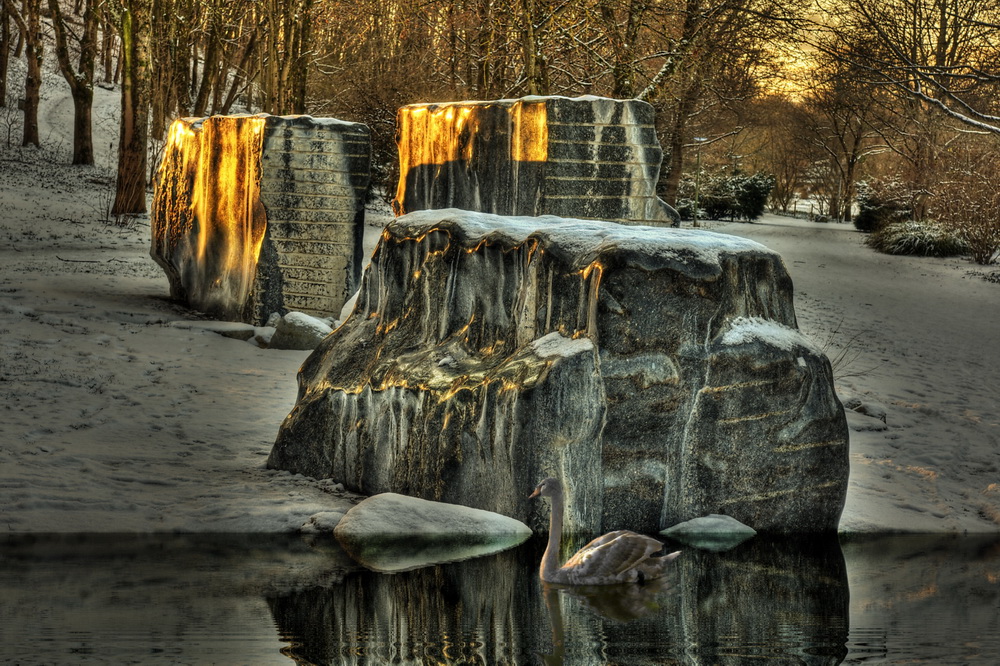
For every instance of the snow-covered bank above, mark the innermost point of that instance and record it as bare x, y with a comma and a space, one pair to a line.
112, 420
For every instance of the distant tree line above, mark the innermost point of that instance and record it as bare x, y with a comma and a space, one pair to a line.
820, 97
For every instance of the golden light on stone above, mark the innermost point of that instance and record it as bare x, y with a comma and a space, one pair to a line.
439, 135
260, 214
218, 158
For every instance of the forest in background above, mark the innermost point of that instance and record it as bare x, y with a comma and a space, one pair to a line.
887, 104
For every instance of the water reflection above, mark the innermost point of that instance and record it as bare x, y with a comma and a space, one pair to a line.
784, 600
261, 599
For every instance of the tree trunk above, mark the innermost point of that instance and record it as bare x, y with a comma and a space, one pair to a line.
83, 138
5, 36
29, 27
670, 178
301, 59
209, 66
81, 84
130, 191
535, 74
107, 50
239, 74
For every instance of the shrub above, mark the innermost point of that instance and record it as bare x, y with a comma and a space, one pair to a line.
737, 197
926, 239
971, 209
751, 194
881, 203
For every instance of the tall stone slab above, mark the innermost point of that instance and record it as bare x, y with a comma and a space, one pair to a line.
659, 372
260, 214
584, 157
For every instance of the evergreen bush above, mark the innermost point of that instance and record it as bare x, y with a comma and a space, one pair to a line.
736, 197
881, 203
925, 239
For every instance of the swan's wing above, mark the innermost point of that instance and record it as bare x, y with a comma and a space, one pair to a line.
600, 541
612, 554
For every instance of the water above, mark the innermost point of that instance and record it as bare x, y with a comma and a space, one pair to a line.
259, 599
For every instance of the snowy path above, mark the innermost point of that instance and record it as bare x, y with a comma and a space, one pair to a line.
927, 346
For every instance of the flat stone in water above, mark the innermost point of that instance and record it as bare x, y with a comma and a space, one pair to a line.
391, 532
714, 532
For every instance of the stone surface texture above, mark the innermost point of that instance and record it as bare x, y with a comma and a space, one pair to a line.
259, 214
583, 157
658, 372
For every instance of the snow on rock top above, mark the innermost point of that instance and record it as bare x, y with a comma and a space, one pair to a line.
694, 252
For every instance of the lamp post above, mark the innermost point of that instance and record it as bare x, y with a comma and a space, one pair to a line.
699, 140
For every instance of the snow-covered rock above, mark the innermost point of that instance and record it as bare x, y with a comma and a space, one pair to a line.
297, 330
392, 532
715, 532
322, 522
659, 372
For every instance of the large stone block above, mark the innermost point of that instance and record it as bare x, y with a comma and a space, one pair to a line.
261, 214
659, 372
585, 157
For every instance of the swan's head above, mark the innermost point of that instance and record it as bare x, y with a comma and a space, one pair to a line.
547, 488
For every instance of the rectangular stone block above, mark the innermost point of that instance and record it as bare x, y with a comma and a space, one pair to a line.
497, 156
240, 199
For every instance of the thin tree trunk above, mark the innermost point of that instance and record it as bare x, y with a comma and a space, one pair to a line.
107, 49
209, 66
130, 191
33, 78
5, 36
301, 58
239, 74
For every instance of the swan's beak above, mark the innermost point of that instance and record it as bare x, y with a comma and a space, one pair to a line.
534, 494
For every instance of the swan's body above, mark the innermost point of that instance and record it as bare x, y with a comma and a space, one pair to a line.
617, 557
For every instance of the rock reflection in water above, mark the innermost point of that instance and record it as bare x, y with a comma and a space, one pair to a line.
786, 601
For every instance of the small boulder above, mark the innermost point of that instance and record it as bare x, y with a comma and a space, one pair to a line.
322, 522
390, 532
297, 330
262, 336
714, 532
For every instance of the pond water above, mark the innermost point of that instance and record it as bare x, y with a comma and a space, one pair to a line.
262, 599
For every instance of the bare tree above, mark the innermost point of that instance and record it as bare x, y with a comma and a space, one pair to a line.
284, 54
779, 144
845, 125
714, 59
81, 81
940, 53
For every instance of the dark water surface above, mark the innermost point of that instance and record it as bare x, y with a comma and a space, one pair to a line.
261, 599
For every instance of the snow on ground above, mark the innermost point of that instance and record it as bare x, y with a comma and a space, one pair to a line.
113, 420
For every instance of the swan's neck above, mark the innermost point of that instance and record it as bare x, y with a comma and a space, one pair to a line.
550, 560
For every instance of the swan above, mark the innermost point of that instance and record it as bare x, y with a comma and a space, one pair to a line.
621, 556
